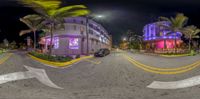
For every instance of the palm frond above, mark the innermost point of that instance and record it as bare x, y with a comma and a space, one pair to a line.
164, 18
24, 32
76, 13
46, 4
68, 9
191, 31
41, 6
34, 22
27, 22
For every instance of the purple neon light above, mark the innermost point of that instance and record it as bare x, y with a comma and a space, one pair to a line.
73, 43
151, 32
55, 42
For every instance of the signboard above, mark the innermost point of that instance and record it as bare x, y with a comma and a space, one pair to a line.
73, 43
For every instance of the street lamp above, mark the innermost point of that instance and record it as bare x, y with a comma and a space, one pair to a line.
124, 39
87, 28
100, 16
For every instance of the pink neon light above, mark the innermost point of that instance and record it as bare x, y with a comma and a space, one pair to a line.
169, 44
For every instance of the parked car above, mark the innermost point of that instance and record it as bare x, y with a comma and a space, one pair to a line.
102, 52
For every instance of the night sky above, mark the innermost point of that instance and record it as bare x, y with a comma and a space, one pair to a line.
120, 15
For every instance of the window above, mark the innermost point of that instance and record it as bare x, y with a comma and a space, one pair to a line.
56, 43
82, 32
74, 21
74, 27
91, 32
82, 22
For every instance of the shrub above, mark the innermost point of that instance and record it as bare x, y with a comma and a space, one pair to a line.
78, 56
51, 58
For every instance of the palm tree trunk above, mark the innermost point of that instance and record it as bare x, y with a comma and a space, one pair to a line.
165, 46
34, 32
189, 45
51, 40
87, 36
175, 43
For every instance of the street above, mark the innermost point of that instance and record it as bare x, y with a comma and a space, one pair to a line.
110, 77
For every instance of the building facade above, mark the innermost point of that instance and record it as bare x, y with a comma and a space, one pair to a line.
158, 38
73, 39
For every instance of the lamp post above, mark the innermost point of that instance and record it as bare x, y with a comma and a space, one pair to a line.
87, 29
124, 39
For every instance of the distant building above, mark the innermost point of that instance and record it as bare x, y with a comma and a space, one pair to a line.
73, 39
157, 37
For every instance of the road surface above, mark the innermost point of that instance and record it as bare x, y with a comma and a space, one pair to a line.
114, 78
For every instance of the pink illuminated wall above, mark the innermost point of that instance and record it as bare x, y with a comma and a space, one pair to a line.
160, 44
169, 44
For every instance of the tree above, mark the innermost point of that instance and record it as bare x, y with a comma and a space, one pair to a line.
176, 25
13, 45
130, 34
191, 32
34, 22
6, 43
53, 14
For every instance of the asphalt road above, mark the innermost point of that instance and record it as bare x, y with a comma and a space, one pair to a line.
114, 78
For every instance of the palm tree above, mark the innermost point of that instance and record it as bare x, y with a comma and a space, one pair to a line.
176, 25
53, 14
130, 34
191, 32
34, 22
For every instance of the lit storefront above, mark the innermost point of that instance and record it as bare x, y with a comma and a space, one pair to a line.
160, 40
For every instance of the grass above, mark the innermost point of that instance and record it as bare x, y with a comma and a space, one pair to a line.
2, 51
51, 58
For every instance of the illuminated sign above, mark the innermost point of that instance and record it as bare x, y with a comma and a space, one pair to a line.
55, 42
73, 43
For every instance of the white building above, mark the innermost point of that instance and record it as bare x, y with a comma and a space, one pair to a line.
73, 39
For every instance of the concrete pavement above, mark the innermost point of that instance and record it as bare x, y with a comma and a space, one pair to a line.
114, 78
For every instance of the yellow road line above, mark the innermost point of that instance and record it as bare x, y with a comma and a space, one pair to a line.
59, 64
164, 69
162, 72
2, 60
99, 62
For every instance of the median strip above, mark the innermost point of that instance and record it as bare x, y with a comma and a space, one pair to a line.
162, 71
59, 64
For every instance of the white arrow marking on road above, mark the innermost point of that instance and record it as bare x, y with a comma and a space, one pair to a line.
176, 84
39, 74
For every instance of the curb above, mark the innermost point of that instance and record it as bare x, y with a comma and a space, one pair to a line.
176, 55
59, 64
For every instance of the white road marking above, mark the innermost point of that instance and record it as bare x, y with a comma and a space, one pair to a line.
176, 84
39, 74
